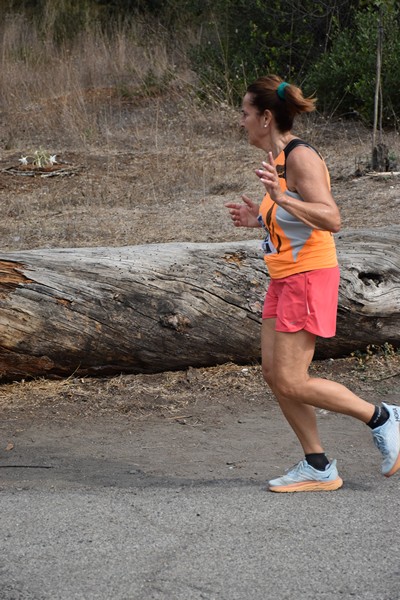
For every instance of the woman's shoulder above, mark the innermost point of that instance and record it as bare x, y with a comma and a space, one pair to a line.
296, 142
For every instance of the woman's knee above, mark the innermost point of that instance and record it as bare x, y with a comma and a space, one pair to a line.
292, 386
289, 388
268, 375
277, 383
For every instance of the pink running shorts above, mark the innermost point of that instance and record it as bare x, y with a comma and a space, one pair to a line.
304, 301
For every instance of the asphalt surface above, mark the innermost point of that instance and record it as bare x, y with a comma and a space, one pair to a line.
86, 522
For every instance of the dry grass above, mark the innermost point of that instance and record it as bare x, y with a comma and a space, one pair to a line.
168, 394
165, 173
73, 89
186, 396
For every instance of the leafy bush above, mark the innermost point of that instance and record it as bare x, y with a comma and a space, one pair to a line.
345, 77
243, 39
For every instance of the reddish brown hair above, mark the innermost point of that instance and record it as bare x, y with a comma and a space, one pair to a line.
264, 96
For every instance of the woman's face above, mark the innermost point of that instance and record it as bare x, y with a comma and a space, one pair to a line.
255, 124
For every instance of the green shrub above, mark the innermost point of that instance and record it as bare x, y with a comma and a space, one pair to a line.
344, 78
243, 39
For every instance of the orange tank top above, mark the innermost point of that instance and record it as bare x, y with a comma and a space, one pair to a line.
291, 246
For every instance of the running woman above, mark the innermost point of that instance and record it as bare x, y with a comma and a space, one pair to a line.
299, 216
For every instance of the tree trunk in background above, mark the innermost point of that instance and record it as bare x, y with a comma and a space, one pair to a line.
151, 308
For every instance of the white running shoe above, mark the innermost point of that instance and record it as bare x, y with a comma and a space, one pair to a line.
304, 478
387, 440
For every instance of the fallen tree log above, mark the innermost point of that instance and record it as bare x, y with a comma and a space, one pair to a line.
151, 308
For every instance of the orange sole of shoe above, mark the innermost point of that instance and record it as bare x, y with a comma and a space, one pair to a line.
395, 468
310, 486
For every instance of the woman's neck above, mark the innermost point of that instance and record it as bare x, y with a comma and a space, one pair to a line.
277, 142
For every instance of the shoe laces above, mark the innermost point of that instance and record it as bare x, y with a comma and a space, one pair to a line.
380, 443
296, 468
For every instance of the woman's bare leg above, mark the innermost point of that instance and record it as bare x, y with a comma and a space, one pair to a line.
286, 360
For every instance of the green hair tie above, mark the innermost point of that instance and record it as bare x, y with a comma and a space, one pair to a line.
280, 90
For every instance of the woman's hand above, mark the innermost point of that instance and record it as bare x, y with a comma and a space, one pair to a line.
244, 215
269, 177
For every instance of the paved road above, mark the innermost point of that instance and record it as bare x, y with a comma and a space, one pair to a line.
80, 521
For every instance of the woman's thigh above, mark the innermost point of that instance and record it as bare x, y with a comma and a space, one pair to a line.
286, 357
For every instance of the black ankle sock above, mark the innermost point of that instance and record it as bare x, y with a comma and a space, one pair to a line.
318, 461
379, 417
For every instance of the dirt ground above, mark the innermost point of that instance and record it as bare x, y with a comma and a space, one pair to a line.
163, 174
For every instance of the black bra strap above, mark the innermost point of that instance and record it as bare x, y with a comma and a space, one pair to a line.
298, 142
292, 144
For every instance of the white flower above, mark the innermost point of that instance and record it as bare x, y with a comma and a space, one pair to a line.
23, 160
52, 159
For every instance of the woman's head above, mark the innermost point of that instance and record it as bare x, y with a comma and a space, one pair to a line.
283, 100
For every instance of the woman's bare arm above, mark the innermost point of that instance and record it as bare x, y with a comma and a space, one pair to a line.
306, 175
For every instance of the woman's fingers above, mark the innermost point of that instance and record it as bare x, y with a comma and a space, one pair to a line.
269, 175
247, 201
234, 211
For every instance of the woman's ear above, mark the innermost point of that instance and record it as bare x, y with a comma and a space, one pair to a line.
267, 116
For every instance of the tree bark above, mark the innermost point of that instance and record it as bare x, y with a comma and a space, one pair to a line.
151, 308
369, 293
